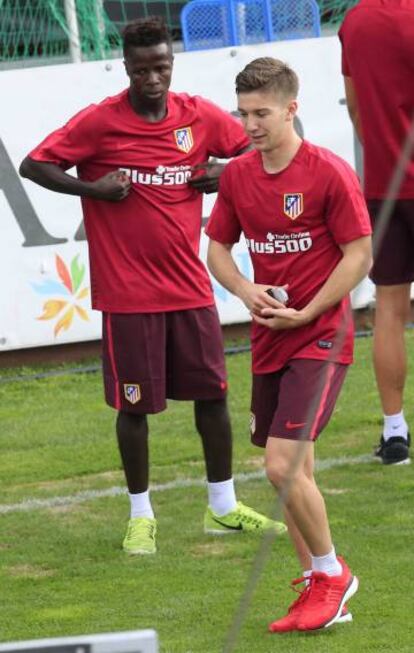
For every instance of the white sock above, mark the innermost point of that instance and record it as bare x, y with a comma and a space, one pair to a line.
141, 505
307, 574
222, 497
328, 564
395, 426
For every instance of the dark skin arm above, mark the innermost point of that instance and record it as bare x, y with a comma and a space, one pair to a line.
112, 187
209, 181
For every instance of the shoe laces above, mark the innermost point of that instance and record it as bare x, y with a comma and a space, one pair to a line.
303, 593
249, 516
142, 527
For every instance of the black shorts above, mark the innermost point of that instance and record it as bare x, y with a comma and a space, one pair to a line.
295, 402
394, 260
149, 357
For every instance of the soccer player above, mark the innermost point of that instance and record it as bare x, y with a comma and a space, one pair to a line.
306, 226
135, 154
377, 63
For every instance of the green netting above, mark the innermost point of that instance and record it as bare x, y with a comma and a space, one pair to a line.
38, 29
32, 28
332, 11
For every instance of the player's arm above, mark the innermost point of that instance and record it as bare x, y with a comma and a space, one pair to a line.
209, 181
113, 186
227, 139
352, 104
352, 268
222, 266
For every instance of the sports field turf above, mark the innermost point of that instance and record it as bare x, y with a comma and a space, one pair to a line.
62, 569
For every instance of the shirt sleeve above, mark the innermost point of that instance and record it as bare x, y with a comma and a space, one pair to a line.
71, 144
346, 210
344, 59
223, 225
226, 136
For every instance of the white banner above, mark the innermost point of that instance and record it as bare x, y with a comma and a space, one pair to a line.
45, 296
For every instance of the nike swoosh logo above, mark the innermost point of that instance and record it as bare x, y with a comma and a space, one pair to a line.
232, 528
294, 425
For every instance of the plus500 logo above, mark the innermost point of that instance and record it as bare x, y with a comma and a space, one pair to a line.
162, 176
288, 246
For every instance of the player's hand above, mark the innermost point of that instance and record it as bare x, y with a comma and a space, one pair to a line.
281, 318
112, 187
209, 181
256, 299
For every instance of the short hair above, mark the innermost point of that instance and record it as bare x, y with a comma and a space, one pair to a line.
144, 32
265, 74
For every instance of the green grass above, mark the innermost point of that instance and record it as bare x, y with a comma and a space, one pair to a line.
62, 571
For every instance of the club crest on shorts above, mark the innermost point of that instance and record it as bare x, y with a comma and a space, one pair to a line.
293, 205
184, 139
132, 392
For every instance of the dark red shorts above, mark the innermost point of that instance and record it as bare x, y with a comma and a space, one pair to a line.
148, 357
394, 261
295, 402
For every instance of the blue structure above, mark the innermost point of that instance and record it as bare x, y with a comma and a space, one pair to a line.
221, 23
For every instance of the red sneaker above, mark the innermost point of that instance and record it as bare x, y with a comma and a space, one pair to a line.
290, 622
326, 598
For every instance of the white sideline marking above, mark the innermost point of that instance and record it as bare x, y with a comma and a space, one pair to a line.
70, 500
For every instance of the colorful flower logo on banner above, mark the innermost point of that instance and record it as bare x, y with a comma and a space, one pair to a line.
69, 285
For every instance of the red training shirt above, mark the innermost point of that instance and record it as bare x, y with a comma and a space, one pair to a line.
144, 249
377, 39
293, 222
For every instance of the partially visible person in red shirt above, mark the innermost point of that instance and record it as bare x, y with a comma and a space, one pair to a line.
303, 215
377, 39
138, 156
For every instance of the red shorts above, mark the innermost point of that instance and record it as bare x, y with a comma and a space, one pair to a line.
295, 402
148, 357
394, 260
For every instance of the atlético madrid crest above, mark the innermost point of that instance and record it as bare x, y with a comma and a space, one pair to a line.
293, 205
132, 392
184, 139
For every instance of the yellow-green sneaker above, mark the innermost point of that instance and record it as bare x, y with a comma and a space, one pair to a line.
140, 536
242, 518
